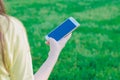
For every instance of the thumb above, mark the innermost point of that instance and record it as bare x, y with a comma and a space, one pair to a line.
52, 42
65, 39
68, 36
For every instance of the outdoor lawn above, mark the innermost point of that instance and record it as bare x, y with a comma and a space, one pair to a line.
92, 53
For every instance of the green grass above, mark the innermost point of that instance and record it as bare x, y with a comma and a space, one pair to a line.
93, 52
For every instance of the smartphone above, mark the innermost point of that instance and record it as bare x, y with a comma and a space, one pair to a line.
63, 29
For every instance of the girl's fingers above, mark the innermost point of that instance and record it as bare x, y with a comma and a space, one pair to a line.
68, 36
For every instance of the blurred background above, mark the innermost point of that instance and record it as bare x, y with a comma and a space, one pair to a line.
93, 52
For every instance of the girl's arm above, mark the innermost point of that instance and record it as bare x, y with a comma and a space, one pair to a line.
55, 48
45, 70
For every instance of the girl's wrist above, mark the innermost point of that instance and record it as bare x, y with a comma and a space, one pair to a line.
53, 55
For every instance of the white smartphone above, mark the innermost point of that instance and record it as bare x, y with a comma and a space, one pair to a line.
63, 29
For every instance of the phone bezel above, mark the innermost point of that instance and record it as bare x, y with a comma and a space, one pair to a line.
72, 20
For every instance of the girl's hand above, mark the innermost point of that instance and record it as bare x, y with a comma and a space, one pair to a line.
57, 46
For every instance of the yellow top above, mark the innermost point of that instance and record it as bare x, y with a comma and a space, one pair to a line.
17, 53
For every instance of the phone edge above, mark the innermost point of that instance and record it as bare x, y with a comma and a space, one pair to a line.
71, 19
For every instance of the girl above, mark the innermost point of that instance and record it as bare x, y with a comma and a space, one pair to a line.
15, 58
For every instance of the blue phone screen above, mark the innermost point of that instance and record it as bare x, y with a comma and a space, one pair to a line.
62, 30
